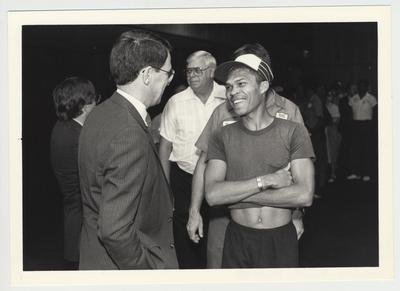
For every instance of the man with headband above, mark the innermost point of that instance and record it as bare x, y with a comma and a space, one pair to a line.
223, 115
248, 170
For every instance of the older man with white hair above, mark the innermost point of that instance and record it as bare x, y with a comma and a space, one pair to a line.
182, 121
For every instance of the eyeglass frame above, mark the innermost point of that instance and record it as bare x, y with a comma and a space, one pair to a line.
197, 71
170, 73
97, 99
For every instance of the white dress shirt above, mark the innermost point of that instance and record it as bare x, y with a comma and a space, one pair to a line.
140, 107
77, 121
362, 107
183, 120
333, 110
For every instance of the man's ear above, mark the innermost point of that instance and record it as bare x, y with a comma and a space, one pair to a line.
212, 71
264, 86
146, 75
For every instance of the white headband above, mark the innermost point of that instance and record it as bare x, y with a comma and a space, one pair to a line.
249, 60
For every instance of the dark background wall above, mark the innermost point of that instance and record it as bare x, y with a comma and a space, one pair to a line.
318, 53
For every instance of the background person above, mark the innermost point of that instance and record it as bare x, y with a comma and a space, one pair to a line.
362, 105
333, 136
74, 98
182, 121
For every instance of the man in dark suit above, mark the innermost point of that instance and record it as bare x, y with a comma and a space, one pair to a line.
74, 98
127, 203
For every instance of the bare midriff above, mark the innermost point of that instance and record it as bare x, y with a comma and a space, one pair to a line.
262, 218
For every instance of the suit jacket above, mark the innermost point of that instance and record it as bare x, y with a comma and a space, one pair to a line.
64, 159
127, 202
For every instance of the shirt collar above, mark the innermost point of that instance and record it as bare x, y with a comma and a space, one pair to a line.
140, 107
215, 93
77, 121
274, 99
366, 95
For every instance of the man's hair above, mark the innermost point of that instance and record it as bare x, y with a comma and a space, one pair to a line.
363, 82
208, 58
71, 95
255, 49
135, 50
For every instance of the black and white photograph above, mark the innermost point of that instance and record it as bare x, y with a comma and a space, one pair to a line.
207, 141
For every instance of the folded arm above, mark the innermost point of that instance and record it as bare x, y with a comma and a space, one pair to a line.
220, 192
298, 194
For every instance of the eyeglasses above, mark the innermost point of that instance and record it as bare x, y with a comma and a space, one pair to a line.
195, 71
97, 99
170, 73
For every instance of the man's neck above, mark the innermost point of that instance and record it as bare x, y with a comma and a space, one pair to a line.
136, 92
258, 119
204, 93
270, 98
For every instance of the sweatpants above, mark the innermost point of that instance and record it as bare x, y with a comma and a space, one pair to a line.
246, 247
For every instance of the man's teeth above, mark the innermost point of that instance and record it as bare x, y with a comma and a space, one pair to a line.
238, 101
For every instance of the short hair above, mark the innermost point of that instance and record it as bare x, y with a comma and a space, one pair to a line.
364, 82
135, 50
71, 95
255, 49
206, 56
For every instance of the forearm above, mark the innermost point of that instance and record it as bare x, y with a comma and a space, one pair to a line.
165, 150
166, 165
197, 195
297, 213
220, 192
229, 192
295, 195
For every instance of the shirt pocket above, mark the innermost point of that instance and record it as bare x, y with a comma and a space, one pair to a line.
187, 126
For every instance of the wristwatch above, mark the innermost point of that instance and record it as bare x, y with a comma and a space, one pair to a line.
260, 184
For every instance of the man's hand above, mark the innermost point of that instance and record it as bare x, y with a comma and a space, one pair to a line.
297, 218
194, 226
279, 179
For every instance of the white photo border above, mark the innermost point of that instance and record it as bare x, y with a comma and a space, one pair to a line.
379, 14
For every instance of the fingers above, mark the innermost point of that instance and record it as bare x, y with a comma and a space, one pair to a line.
193, 226
193, 235
200, 230
190, 229
298, 224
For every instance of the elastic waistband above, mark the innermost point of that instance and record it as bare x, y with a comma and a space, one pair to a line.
247, 229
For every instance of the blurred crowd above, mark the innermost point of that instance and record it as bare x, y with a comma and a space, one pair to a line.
341, 120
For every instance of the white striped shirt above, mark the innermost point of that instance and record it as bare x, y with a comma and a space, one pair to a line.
182, 122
